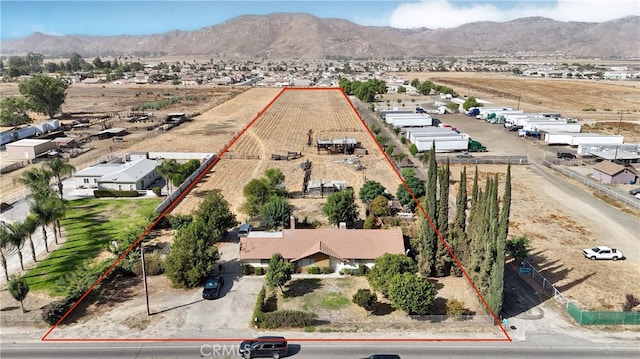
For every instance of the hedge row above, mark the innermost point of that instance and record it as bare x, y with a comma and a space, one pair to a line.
114, 193
287, 319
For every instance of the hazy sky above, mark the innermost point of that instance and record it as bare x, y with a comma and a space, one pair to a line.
115, 17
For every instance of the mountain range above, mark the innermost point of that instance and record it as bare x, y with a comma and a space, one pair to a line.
303, 36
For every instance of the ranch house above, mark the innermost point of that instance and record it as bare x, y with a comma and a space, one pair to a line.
135, 173
335, 248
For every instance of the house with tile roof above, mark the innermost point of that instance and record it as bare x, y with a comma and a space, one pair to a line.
328, 247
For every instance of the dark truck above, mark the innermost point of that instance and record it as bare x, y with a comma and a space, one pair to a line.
475, 146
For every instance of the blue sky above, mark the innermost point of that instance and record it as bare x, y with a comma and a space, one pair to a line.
114, 17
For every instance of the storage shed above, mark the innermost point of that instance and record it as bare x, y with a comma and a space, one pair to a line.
28, 149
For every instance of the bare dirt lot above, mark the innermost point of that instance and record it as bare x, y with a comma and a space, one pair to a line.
540, 211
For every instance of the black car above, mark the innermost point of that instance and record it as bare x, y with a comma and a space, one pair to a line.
212, 287
634, 191
566, 155
383, 356
264, 347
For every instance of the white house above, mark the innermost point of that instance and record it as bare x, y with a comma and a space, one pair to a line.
137, 173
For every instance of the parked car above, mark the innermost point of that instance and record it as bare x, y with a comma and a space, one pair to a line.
464, 154
383, 356
264, 347
603, 252
566, 155
634, 191
212, 287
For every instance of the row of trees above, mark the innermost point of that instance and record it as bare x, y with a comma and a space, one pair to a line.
47, 208
41, 94
193, 252
425, 87
365, 91
175, 173
477, 235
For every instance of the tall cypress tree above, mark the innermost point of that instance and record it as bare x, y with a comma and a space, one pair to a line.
496, 281
457, 234
427, 235
443, 258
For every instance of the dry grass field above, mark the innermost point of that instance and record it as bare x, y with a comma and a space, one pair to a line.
569, 97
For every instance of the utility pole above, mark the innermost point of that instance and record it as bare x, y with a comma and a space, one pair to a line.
519, 96
144, 278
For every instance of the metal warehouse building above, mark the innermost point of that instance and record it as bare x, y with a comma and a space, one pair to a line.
28, 149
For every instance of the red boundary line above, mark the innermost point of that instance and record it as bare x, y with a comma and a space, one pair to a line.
197, 180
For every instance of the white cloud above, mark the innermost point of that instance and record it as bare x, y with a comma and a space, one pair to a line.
435, 14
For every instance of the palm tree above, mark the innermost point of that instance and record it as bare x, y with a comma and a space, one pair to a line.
16, 235
166, 170
41, 210
37, 181
30, 225
59, 169
4, 236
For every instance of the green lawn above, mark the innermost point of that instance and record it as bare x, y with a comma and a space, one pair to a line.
90, 225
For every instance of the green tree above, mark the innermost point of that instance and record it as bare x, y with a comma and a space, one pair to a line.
59, 169
413, 149
518, 248
37, 181
183, 171
386, 267
30, 224
4, 243
276, 212
415, 186
167, 169
443, 258
45, 94
366, 300
458, 241
370, 190
19, 289
192, 257
341, 207
256, 194
215, 214
411, 293
16, 235
379, 206
279, 272
401, 89
13, 112
471, 102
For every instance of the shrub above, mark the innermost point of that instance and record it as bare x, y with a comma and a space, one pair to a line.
454, 307
631, 302
247, 268
326, 270
154, 263
287, 319
179, 221
51, 313
156, 191
259, 270
365, 299
313, 270
99, 193
589, 109
259, 307
362, 270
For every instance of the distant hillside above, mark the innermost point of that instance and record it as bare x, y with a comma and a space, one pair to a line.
288, 35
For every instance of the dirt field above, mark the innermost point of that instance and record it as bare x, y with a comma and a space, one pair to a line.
569, 97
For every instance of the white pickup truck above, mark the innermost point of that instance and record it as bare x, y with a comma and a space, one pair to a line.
602, 252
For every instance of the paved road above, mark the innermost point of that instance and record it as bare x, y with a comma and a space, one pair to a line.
315, 350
